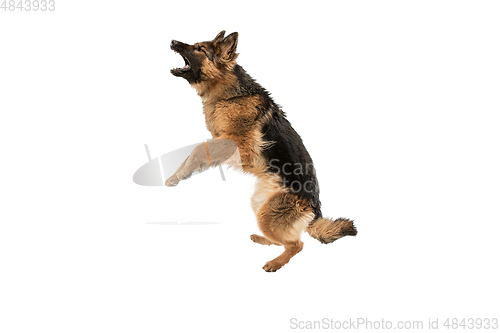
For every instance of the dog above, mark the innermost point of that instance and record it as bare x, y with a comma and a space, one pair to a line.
241, 116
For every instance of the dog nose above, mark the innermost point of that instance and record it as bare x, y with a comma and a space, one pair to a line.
174, 42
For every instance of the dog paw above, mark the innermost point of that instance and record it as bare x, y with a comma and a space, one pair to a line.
272, 266
255, 238
172, 181
262, 240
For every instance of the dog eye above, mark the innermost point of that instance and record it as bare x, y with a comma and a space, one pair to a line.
198, 48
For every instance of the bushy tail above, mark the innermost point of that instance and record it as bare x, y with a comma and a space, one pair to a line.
327, 230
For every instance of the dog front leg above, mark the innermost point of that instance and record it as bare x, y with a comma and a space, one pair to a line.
209, 154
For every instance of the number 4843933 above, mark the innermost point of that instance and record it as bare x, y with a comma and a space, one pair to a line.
28, 5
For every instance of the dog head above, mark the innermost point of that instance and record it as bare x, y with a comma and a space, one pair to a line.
206, 61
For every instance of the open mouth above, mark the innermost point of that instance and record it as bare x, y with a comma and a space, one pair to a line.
181, 70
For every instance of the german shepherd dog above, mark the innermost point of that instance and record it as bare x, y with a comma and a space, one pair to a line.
240, 114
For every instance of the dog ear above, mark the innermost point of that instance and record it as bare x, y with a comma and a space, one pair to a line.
219, 37
228, 47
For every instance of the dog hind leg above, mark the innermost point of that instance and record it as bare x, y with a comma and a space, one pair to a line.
282, 219
262, 240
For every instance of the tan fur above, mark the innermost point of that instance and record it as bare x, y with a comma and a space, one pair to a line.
215, 88
266, 186
291, 249
204, 156
282, 218
327, 230
262, 240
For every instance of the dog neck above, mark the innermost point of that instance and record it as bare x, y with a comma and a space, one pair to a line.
214, 91
217, 89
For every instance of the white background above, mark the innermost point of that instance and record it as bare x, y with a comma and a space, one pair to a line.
396, 101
